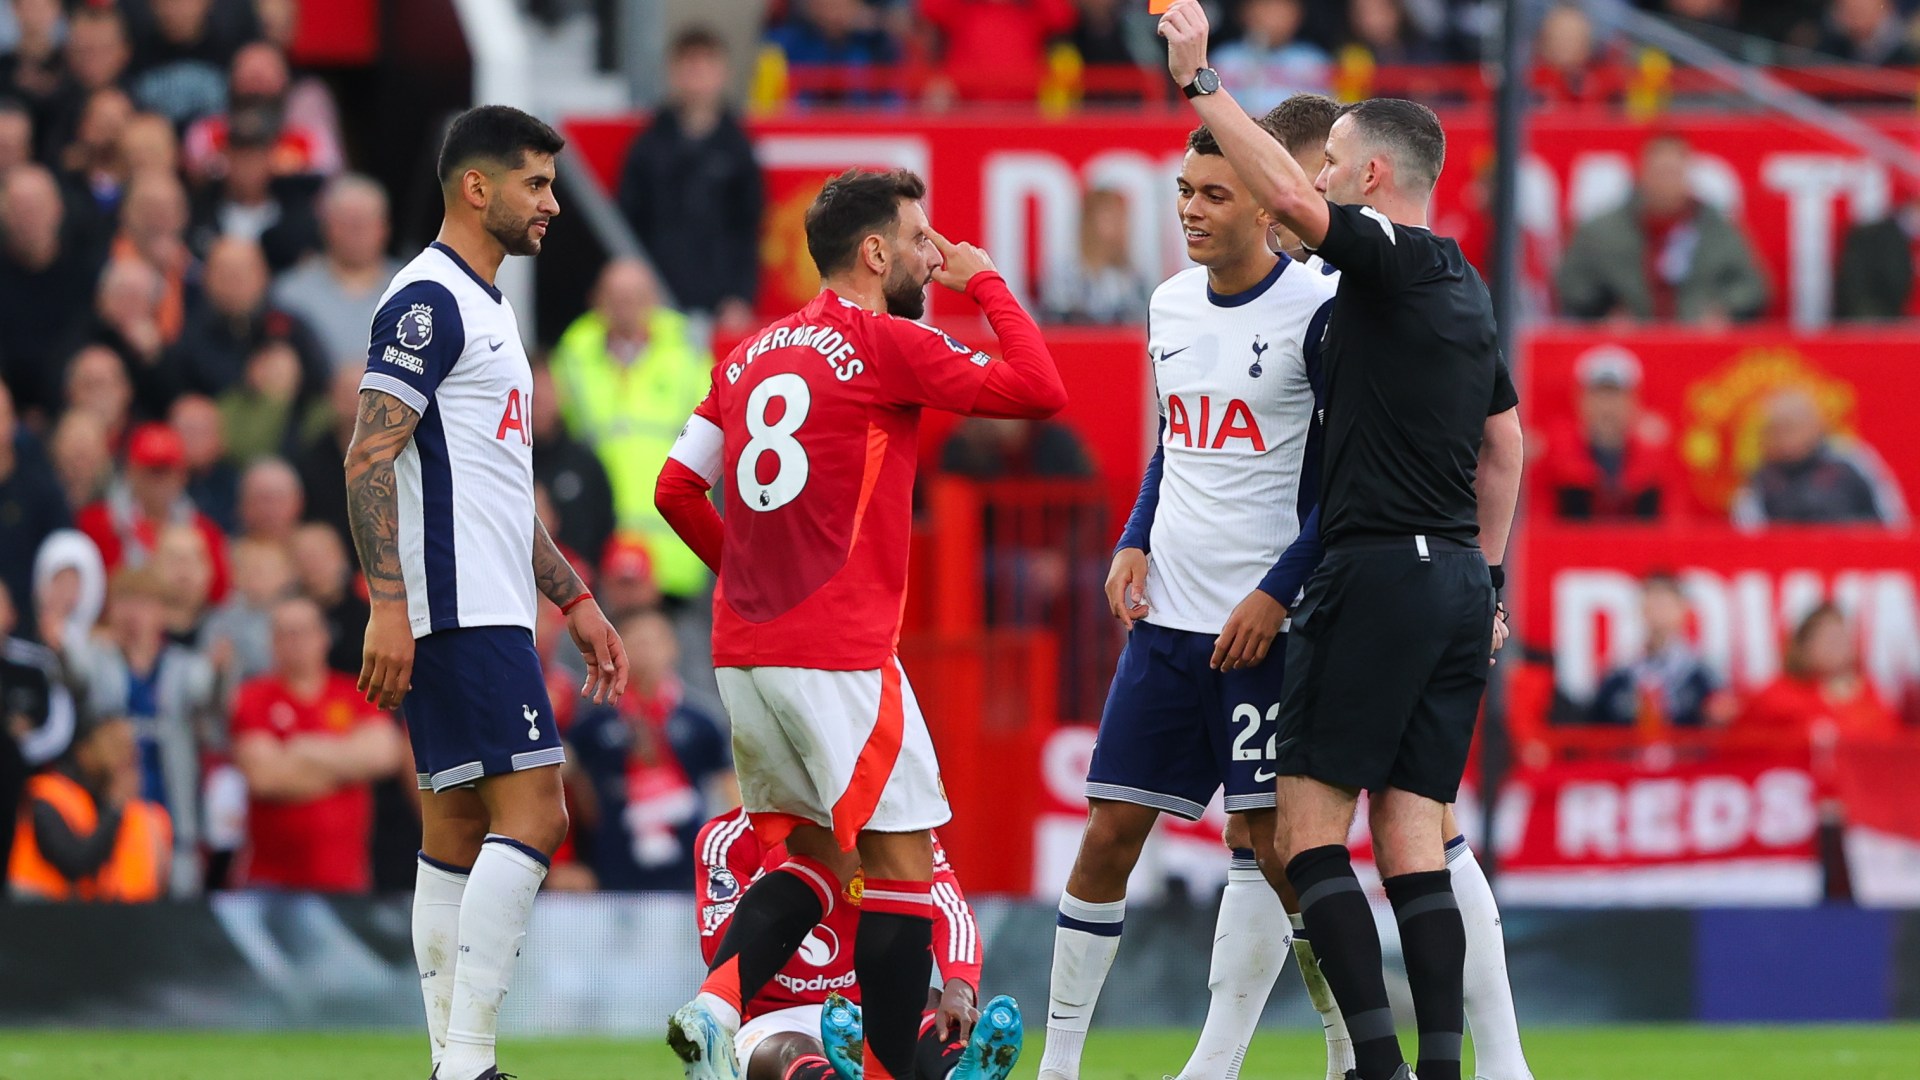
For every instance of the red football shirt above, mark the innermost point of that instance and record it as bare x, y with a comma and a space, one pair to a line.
732, 858
820, 413
321, 844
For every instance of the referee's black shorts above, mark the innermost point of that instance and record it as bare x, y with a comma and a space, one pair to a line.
1386, 665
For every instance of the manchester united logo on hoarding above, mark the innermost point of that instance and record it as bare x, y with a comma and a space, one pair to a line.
1726, 410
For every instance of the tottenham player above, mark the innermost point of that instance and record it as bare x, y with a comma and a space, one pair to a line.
800, 1026
813, 421
1423, 465
1201, 579
440, 496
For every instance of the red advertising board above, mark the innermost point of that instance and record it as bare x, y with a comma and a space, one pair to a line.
1015, 185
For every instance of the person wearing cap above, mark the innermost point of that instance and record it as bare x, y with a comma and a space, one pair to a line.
626, 577
1663, 254
1611, 460
125, 524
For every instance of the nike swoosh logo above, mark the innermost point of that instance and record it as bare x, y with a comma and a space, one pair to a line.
495, 345
1058, 1016
1167, 354
1262, 775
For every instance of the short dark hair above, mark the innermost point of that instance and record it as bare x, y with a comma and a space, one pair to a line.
1411, 135
1201, 141
1301, 122
852, 206
498, 134
697, 39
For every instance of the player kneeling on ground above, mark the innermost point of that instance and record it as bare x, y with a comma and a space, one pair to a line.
800, 1026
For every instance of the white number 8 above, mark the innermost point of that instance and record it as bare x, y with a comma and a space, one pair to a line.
775, 438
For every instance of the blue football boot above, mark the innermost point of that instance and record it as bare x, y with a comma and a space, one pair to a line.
841, 1033
698, 1037
996, 1042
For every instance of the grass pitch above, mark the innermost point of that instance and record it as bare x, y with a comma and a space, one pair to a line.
1883, 1052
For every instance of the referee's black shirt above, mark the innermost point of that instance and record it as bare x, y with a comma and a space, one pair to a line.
1413, 370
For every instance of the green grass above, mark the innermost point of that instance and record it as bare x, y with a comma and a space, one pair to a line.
1638, 1053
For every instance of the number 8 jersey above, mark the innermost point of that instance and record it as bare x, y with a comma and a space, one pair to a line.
812, 426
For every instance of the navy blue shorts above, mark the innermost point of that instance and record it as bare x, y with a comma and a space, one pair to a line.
1174, 730
478, 706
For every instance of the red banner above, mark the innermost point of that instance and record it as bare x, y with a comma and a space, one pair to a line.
1015, 185
1735, 831
1594, 814
1746, 593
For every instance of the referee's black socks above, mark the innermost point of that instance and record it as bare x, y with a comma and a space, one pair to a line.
1434, 942
1337, 916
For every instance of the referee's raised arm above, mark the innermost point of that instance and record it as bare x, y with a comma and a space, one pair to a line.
1275, 179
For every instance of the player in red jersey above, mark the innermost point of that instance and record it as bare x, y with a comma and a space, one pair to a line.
814, 423
782, 1037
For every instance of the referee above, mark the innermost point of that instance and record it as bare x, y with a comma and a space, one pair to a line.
1389, 649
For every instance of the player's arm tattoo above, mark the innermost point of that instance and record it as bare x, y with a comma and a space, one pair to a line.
551, 570
380, 433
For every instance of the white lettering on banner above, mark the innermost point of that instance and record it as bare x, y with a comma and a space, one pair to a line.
1811, 184
1653, 818
1014, 182
1741, 620
1721, 814
1666, 817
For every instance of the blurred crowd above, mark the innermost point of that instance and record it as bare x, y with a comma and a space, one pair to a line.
1019, 51
188, 268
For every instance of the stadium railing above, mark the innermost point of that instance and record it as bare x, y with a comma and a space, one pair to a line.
1021, 554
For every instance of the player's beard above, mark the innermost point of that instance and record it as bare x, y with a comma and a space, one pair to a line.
906, 297
514, 234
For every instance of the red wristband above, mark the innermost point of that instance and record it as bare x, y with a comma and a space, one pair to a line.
567, 608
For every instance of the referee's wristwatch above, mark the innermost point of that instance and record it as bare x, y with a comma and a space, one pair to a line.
1205, 81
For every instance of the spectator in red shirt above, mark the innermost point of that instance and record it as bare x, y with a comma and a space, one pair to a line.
1822, 696
310, 748
996, 49
126, 524
1612, 460
1568, 66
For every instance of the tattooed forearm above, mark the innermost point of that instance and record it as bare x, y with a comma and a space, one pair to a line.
379, 434
551, 571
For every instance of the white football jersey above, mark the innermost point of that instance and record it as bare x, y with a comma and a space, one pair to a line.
1236, 403
446, 343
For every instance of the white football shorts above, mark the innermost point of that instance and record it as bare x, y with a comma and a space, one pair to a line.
846, 750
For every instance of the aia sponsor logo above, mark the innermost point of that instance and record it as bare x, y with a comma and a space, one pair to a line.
1204, 423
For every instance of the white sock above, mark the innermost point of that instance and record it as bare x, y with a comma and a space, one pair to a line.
1489, 997
437, 889
1339, 1043
1247, 958
722, 1011
493, 921
1083, 946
